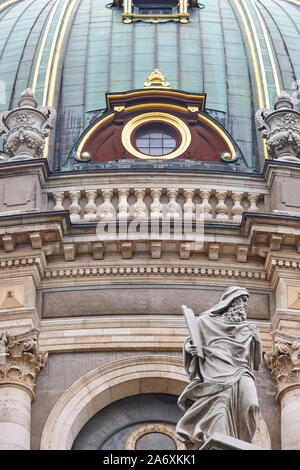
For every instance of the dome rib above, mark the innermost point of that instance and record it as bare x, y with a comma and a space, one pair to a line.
26, 60
42, 44
17, 16
290, 33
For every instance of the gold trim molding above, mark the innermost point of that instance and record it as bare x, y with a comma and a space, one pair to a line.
148, 118
149, 429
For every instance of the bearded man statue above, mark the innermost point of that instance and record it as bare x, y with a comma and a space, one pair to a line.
222, 384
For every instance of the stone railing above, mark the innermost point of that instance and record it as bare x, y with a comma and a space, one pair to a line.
93, 205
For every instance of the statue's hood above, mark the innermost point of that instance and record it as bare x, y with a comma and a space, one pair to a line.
227, 298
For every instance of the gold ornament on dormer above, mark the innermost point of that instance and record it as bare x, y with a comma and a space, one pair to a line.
156, 80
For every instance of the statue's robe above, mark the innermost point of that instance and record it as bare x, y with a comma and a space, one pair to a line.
222, 384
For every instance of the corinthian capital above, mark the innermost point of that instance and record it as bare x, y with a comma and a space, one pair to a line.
284, 360
21, 359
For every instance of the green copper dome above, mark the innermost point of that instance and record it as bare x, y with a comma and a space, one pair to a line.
241, 53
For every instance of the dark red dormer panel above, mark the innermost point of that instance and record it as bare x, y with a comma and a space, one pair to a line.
155, 123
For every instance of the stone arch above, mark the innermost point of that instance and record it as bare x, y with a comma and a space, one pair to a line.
109, 383
104, 385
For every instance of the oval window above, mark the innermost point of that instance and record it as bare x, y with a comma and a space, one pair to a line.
156, 139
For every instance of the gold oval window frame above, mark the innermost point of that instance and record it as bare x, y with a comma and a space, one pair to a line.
149, 429
149, 118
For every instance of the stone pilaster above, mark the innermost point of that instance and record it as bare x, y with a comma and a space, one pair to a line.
284, 363
20, 362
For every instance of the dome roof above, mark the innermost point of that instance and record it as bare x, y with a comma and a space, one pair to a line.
241, 53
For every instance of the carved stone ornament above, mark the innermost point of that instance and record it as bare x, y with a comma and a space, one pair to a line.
284, 360
281, 129
156, 80
23, 359
25, 128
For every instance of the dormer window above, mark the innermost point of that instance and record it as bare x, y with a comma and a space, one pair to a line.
155, 11
146, 10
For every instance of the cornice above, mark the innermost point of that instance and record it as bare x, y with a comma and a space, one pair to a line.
252, 251
92, 178
39, 167
287, 320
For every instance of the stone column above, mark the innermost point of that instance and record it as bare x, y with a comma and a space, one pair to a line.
284, 362
20, 362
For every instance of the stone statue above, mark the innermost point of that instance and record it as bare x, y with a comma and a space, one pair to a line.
222, 385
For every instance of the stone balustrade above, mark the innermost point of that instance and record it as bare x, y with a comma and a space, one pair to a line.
190, 204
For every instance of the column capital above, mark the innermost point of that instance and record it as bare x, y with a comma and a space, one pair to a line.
284, 361
21, 359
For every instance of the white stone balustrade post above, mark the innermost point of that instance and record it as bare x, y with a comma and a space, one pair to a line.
107, 210
123, 206
18, 371
221, 208
156, 206
252, 198
237, 208
140, 208
189, 206
90, 208
205, 206
59, 197
75, 208
173, 208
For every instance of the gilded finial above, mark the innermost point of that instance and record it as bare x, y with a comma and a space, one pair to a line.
156, 80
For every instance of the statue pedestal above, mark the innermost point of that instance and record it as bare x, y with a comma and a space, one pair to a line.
221, 442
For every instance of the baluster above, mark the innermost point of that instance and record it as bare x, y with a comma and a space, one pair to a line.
123, 204
173, 208
237, 208
156, 206
91, 208
140, 208
75, 208
189, 206
205, 206
107, 210
58, 197
252, 198
221, 208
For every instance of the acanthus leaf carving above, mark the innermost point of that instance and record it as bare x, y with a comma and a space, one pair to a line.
284, 360
281, 129
23, 358
25, 128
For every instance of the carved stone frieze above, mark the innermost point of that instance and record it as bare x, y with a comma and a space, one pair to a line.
25, 128
284, 360
22, 359
281, 129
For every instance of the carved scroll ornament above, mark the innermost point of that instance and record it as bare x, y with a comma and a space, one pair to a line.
281, 129
25, 128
